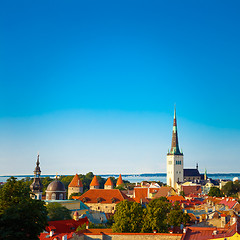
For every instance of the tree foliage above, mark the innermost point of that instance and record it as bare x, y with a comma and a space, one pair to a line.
57, 212
215, 192
128, 217
21, 217
158, 216
231, 188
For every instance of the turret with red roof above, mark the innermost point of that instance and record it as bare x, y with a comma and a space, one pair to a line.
119, 181
94, 184
108, 184
75, 186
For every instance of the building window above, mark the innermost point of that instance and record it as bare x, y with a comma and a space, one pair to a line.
61, 196
53, 196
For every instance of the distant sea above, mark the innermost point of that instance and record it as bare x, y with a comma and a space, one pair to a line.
133, 178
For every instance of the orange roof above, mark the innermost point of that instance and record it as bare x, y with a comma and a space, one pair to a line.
109, 182
103, 196
119, 181
163, 192
94, 182
140, 194
76, 182
176, 198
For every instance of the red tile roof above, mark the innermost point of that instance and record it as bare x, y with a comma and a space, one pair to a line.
103, 196
109, 182
119, 181
195, 189
76, 182
228, 202
94, 182
176, 199
65, 226
163, 192
140, 194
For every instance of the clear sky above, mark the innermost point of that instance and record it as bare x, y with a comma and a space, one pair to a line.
92, 85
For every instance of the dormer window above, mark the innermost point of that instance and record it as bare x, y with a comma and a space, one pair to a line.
99, 199
113, 200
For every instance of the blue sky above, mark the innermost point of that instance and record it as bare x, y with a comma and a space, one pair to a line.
91, 85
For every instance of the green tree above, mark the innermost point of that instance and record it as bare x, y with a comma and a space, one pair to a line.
21, 217
231, 188
128, 217
176, 217
57, 212
155, 217
215, 192
74, 194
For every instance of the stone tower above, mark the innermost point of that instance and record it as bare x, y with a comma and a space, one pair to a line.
174, 159
36, 186
75, 186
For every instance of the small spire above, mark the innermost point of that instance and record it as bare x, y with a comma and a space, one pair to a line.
197, 166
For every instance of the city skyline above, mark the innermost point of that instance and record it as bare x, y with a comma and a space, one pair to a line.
92, 86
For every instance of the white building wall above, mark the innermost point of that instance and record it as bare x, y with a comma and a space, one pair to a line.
174, 169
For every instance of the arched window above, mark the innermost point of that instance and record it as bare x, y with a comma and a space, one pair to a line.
53, 196
61, 196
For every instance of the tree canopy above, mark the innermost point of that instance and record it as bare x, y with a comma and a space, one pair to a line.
158, 216
21, 217
215, 192
57, 212
231, 188
128, 217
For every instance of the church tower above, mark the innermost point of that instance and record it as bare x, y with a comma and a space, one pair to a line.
174, 159
36, 186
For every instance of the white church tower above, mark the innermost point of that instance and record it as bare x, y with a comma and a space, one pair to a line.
174, 159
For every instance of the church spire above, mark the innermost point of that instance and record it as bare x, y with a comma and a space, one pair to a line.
175, 147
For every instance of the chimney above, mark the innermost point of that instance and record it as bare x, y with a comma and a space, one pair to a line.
223, 220
51, 233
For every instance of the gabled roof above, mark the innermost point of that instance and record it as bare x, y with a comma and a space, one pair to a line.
193, 189
141, 194
163, 192
228, 202
76, 182
191, 172
94, 182
103, 196
119, 181
108, 182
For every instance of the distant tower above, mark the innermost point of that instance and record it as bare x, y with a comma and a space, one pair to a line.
108, 184
36, 186
119, 181
94, 184
174, 159
75, 186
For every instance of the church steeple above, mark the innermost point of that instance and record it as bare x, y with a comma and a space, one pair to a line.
175, 147
36, 186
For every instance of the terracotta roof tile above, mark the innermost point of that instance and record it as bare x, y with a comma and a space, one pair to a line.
104, 195
94, 182
109, 182
163, 192
76, 182
119, 181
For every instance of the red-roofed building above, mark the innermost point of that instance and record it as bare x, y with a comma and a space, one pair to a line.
94, 183
104, 200
140, 195
75, 186
228, 202
191, 189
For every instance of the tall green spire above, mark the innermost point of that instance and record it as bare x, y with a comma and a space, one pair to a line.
175, 147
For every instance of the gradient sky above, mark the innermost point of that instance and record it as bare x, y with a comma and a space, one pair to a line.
92, 85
